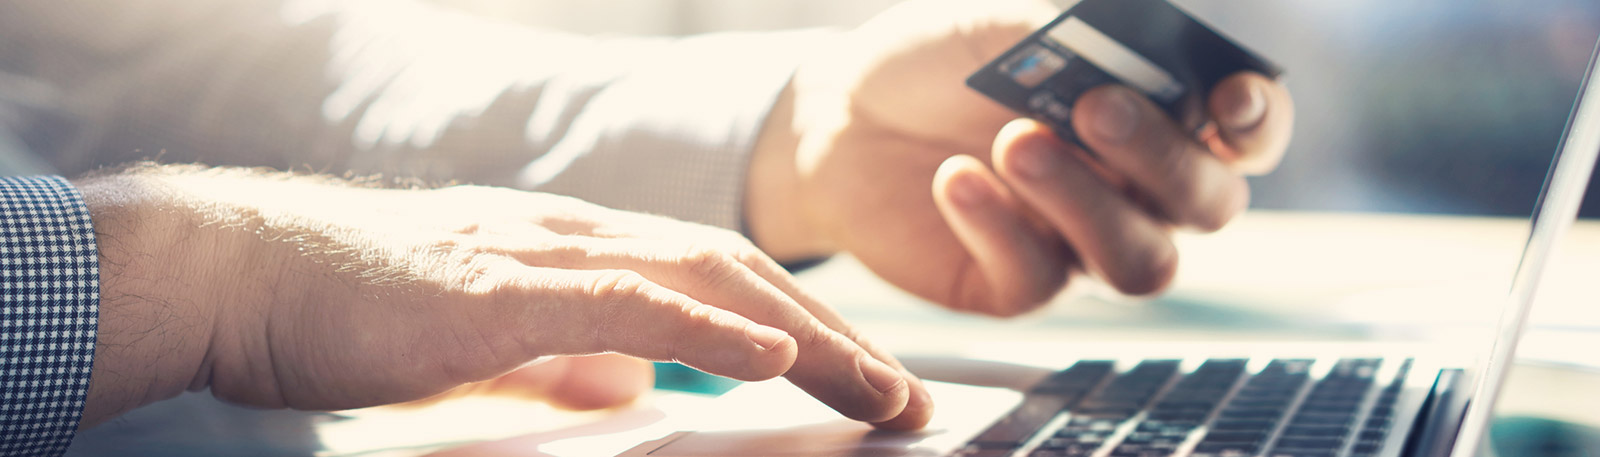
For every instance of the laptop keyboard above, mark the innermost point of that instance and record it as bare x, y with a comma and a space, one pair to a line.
1218, 409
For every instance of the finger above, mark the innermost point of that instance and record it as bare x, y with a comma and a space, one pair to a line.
622, 311
578, 383
918, 407
1113, 237
1255, 117
718, 278
1189, 185
1018, 268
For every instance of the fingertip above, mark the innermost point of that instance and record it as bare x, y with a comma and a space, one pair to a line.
917, 413
1256, 119
1239, 102
892, 386
958, 181
1023, 132
1016, 267
1149, 273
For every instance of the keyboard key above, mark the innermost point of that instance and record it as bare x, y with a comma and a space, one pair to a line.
983, 453
1302, 453
1243, 425
1207, 447
1235, 437
1322, 419
1322, 423
1076, 380
1021, 423
1187, 415
1252, 413
1310, 442
1316, 430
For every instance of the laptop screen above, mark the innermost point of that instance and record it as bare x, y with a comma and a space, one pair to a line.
1558, 206
1438, 106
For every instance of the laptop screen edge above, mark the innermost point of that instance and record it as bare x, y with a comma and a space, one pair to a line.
1555, 212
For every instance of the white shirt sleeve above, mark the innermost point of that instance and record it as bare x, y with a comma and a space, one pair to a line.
674, 137
400, 88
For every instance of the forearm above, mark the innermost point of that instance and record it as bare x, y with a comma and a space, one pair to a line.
185, 277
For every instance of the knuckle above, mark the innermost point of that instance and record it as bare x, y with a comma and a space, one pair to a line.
615, 296
472, 267
711, 267
751, 256
615, 287
816, 336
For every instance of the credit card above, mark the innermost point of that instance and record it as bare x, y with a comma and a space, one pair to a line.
1148, 45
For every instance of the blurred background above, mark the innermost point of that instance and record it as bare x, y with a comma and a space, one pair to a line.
1418, 107
1426, 106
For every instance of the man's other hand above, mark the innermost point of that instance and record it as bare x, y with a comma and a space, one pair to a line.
877, 148
280, 291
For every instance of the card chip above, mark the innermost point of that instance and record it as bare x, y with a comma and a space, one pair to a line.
1033, 65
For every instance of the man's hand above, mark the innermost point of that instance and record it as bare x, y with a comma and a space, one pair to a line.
877, 148
297, 292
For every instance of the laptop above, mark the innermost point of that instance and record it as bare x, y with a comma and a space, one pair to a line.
1333, 401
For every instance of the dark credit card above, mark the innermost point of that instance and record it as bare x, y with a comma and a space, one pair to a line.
1148, 45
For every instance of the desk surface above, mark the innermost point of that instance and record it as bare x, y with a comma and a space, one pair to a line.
1271, 276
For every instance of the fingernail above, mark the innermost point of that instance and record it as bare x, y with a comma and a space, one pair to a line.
1036, 161
880, 376
969, 190
1245, 109
765, 337
1117, 117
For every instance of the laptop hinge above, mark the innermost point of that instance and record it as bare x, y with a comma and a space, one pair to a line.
1434, 432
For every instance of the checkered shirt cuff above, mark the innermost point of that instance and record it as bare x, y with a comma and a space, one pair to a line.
49, 300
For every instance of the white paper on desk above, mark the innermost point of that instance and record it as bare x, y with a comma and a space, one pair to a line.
767, 414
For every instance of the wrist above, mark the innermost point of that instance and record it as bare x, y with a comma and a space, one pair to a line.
775, 211
154, 326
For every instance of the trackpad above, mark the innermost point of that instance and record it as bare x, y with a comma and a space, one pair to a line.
777, 419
